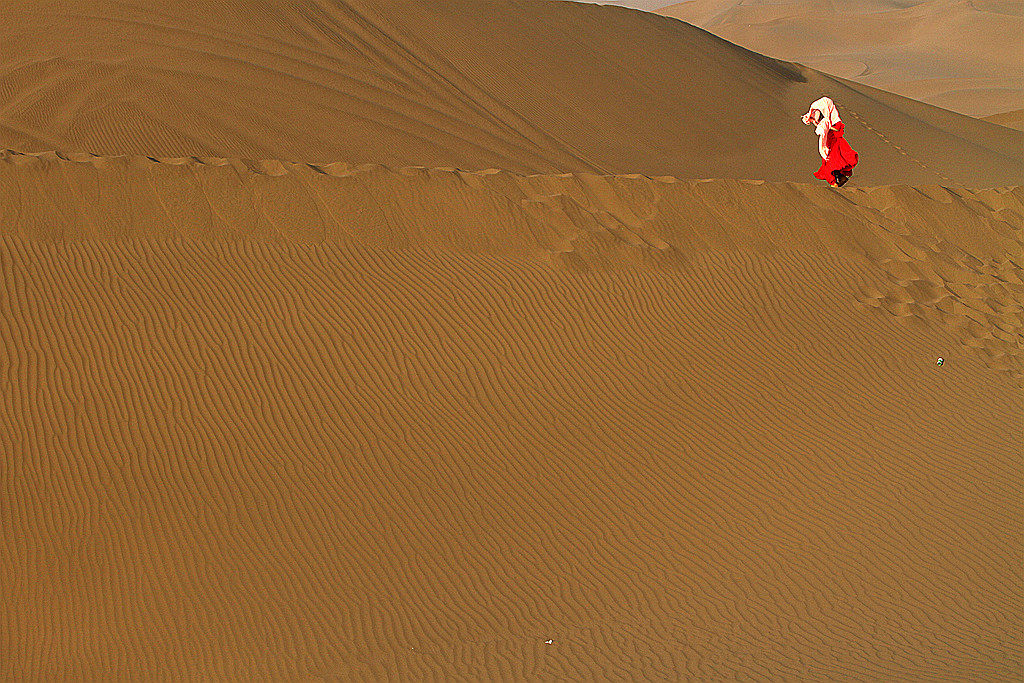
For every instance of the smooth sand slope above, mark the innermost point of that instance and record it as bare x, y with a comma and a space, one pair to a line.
436, 417
963, 55
281, 420
526, 85
1010, 119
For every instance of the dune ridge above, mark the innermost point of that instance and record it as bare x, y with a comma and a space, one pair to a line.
950, 255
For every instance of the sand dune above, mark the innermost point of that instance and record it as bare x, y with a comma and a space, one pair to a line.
1010, 119
461, 83
963, 55
282, 420
369, 341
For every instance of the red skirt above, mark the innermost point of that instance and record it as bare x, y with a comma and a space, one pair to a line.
841, 156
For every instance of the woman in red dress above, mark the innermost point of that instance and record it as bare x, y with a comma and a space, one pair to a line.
839, 158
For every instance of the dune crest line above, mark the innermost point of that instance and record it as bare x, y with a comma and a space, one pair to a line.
950, 255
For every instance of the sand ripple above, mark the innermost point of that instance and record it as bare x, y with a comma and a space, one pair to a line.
277, 420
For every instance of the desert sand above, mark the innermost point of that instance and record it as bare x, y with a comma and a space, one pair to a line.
1010, 119
365, 340
963, 55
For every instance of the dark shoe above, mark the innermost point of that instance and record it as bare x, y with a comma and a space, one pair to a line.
840, 178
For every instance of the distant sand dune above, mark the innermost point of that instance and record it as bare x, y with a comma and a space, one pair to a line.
963, 55
460, 83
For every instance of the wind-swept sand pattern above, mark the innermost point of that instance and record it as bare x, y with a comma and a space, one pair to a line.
356, 340
673, 433
948, 253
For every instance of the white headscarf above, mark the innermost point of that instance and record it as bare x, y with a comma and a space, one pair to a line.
829, 118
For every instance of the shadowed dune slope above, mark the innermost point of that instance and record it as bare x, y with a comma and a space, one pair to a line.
526, 85
263, 422
1010, 119
964, 55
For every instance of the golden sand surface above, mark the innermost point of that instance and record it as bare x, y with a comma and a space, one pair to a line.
493, 392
